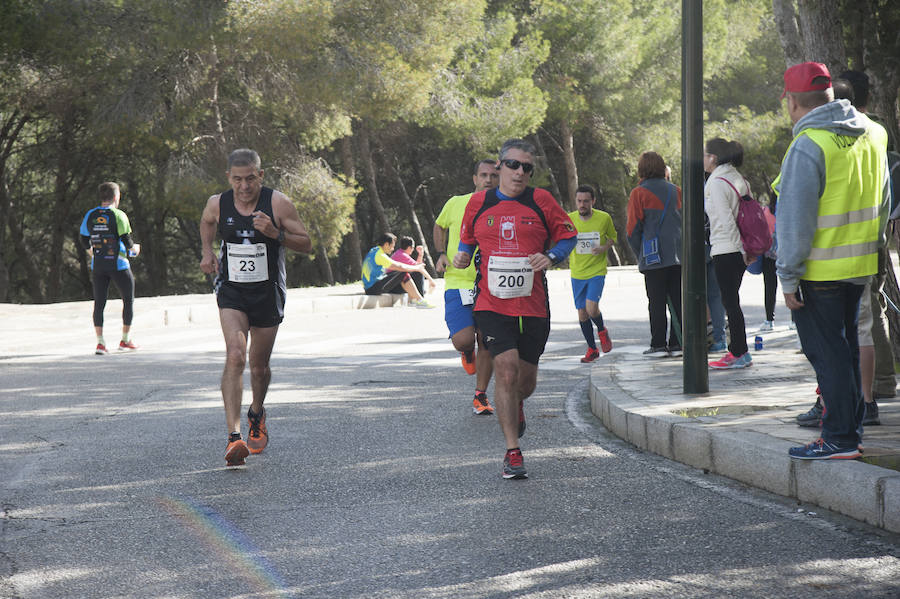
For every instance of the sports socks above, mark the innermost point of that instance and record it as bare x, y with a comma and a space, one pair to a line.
598, 321
125, 337
100, 340
587, 329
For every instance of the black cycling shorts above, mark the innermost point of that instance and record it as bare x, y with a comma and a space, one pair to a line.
527, 334
263, 304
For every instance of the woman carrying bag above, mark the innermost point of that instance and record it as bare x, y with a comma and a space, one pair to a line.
721, 201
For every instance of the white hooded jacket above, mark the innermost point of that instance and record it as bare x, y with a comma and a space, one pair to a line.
721, 204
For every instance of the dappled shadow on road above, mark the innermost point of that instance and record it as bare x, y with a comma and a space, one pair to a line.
378, 482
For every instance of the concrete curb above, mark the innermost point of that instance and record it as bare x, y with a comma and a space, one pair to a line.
856, 489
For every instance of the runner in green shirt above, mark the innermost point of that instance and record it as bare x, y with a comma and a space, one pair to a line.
596, 234
459, 287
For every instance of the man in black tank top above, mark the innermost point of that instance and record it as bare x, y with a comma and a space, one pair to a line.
255, 224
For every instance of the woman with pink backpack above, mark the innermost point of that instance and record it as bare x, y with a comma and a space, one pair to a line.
724, 192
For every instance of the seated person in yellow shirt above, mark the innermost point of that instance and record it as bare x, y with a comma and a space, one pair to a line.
378, 279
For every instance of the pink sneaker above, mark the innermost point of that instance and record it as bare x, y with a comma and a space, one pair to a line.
101, 350
729, 361
127, 346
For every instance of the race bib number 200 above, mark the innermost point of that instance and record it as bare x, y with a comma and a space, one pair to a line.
509, 277
247, 263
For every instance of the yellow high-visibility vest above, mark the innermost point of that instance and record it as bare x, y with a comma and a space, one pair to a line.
845, 244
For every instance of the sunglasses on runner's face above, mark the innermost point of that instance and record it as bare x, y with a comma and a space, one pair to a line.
527, 167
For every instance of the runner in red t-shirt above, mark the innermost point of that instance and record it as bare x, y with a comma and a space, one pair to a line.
514, 226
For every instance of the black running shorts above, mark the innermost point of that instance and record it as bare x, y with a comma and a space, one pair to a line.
263, 304
527, 334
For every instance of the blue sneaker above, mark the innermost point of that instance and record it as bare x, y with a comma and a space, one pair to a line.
822, 450
717, 347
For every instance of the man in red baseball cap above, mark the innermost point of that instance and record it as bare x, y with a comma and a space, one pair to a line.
806, 77
833, 202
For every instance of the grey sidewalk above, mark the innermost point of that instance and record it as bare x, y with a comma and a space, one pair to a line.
744, 426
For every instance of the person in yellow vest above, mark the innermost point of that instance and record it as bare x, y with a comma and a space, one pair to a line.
833, 203
596, 234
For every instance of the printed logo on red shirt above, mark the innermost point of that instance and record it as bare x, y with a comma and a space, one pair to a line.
508, 239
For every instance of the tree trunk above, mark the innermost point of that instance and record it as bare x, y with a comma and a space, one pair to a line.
788, 32
811, 30
371, 180
24, 256
553, 184
822, 33
9, 132
568, 148
411, 214
356, 252
322, 260
61, 218
892, 292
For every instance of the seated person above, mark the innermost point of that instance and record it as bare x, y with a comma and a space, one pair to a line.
404, 254
377, 279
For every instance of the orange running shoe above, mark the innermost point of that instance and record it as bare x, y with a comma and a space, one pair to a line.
236, 450
480, 405
259, 435
605, 341
468, 361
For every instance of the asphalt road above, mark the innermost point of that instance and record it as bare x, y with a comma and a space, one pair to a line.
378, 480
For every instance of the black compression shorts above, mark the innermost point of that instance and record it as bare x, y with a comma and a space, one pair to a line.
263, 304
527, 334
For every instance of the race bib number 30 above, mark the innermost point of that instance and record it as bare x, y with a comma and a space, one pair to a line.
587, 242
509, 277
247, 263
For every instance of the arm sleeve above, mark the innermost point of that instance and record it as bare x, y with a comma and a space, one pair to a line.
85, 242
634, 227
126, 240
562, 249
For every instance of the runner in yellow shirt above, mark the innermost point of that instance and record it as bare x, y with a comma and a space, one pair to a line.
459, 287
596, 234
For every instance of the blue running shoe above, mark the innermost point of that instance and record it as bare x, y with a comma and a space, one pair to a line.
822, 450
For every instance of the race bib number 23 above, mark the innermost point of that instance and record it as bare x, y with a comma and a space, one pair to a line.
247, 263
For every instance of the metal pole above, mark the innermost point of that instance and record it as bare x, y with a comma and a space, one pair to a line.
693, 295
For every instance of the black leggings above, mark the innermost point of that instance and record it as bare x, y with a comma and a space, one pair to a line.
663, 285
771, 285
124, 280
730, 270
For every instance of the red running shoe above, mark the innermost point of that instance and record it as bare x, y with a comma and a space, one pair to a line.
514, 464
127, 346
605, 341
590, 355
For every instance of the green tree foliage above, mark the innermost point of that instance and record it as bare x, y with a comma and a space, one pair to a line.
364, 111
